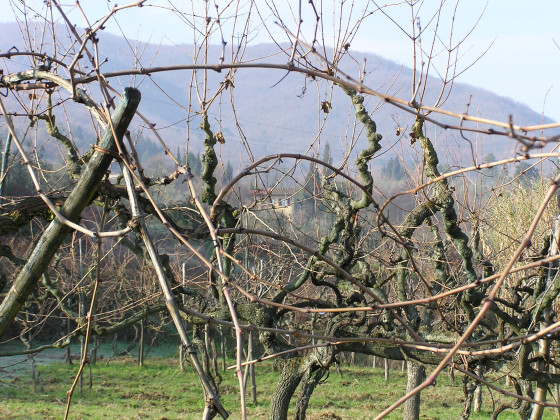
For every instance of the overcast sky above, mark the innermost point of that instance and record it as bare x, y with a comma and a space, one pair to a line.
523, 62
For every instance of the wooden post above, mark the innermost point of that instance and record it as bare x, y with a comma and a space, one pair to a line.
181, 347
477, 398
141, 340
223, 347
386, 369
252, 369
68, 351
4, 167
82, 306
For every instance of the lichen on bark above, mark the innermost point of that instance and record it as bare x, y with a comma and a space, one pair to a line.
72, 160
344, 233
373, 137
226, 213
444, 202
209, 163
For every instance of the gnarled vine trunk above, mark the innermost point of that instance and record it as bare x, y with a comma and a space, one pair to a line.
287, 384
415, 376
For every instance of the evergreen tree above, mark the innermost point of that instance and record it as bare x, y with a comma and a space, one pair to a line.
228, 171
489, 158
394, 169
194, 163
327, 158
312, 180
180, 159
525, 172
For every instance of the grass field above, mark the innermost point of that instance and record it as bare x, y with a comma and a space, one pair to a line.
158, 390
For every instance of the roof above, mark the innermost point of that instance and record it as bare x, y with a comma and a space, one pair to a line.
278, 191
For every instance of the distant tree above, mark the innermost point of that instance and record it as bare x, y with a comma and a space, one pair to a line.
228, 171
489, 158
394, 169
195, 163
146, 148
78, 134
490, 172
327, 158
525, 172
180, 158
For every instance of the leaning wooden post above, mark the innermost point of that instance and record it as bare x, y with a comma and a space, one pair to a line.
80, 197
213, 404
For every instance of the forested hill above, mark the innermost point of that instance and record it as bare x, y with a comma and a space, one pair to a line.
280, 111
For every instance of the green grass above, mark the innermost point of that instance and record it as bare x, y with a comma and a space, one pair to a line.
122, 390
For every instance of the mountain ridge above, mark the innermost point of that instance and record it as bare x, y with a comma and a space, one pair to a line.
277, 110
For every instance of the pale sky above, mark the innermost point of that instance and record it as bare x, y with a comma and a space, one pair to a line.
523, 63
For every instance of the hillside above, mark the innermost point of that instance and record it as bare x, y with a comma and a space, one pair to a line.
279, 112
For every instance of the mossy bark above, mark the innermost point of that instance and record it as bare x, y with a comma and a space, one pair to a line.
345, 233
415, 376
287, 384
80, 197
444, 202
308, 384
